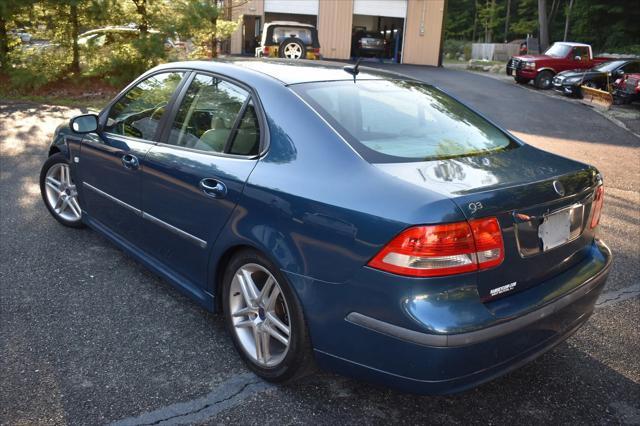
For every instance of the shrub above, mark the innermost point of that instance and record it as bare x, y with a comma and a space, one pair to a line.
33, 68
457, 48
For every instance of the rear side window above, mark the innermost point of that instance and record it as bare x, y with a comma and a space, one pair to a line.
395, 121
213, 113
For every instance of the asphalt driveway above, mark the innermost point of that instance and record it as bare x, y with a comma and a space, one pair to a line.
89, 336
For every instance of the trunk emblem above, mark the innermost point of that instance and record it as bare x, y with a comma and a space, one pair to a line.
558, 187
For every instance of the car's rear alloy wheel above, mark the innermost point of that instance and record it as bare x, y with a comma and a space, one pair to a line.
260, 315
265, 319
59, 191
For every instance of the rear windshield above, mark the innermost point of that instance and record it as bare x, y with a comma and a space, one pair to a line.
395, 121
282, 33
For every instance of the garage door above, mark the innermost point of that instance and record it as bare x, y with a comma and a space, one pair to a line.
303, 7
393, 8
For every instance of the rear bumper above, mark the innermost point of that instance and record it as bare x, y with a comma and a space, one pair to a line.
523, 326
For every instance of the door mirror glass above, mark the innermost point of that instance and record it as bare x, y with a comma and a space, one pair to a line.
86, 123
577, 58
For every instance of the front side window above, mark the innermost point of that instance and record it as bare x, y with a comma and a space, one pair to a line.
632, 67
216, 116
138, 112
581, 51
396, 121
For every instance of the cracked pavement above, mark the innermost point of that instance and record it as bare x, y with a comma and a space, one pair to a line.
89, 336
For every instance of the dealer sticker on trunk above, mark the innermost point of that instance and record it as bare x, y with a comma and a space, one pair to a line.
502, 289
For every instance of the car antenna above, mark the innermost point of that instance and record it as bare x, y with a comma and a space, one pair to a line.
353, 70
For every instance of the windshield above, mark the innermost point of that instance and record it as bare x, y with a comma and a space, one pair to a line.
558, 50
608, 66
395, 121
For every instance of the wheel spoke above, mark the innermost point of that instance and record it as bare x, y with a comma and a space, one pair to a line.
53, 184
251, 286
265, 345
75, 207
258, 341
247, 287
276, 335
65, 204
266, 289
279, 324
243, 312
244, 324
270, 304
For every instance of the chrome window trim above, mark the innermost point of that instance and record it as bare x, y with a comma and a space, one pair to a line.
187, 236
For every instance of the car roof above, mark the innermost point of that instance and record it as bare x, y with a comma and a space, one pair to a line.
572, 43
286, 71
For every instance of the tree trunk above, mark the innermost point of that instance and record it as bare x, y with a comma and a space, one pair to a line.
141, 8
75, 63
214, 39
544, 25
4, 44
506, 21
475, 23
566, 21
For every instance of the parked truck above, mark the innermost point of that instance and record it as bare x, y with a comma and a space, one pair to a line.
560, 56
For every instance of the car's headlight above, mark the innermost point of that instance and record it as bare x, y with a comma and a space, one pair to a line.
572, 80
530, 65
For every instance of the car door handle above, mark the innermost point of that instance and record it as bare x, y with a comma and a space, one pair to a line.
213, 188
130, 161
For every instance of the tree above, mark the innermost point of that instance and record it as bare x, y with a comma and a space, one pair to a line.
143, 23
8, 9
567, 18
203, 20
506, 21
543, 24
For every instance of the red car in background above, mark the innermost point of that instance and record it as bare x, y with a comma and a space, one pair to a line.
627, 89
560, 56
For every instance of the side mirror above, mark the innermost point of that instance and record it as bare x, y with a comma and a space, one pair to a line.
620, 73
577, 58
86, 123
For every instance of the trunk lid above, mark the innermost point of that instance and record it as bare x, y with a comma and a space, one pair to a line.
518, 186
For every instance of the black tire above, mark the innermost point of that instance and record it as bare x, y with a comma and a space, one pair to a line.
57, 158
543, 80
522, 80
298, 361
295, 41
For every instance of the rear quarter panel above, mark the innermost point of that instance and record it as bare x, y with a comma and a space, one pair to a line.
314, 206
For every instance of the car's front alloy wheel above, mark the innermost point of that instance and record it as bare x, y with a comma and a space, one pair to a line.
59, 191
265, 319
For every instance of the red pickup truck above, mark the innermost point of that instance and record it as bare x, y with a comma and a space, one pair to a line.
560, 56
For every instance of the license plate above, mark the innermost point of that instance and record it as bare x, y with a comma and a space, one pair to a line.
555, 229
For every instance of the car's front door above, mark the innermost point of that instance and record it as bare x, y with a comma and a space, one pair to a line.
110, 161
194, 178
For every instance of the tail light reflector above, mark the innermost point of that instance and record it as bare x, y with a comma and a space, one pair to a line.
438, 250
596, 206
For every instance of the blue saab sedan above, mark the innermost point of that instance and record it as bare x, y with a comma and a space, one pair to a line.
360, 221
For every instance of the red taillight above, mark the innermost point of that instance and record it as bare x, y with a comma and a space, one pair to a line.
596, 206
265, 51
437, 250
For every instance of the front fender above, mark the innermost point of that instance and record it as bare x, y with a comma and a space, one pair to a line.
539, 70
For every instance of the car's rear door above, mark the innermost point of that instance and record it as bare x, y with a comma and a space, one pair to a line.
193, 179
110, 161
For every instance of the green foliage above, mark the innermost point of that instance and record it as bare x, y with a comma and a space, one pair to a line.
120, 63
35, 69
455, 49
608, 25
